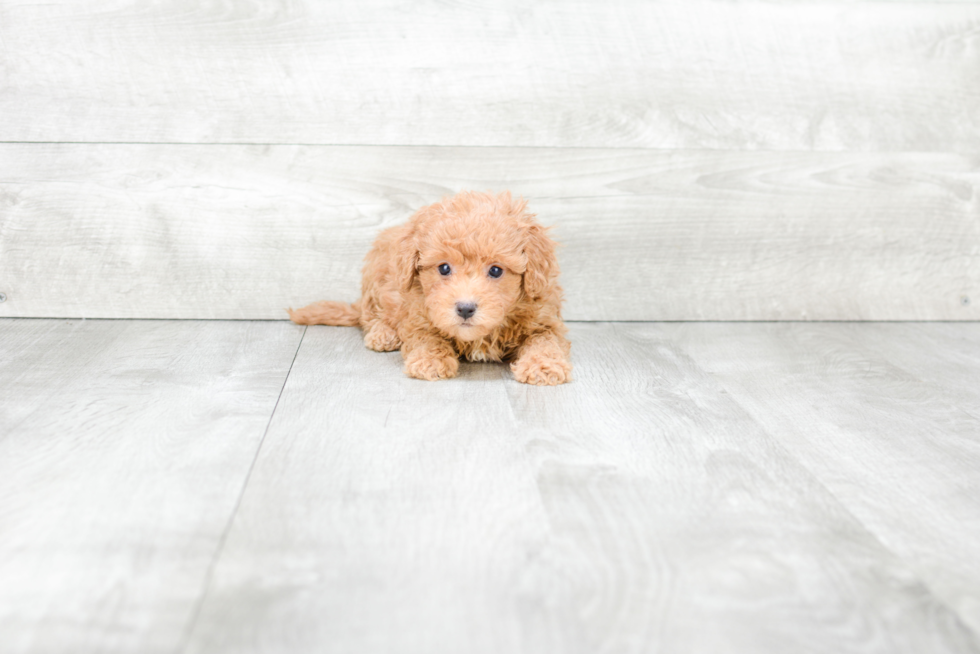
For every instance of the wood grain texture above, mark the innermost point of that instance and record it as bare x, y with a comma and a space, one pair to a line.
124, 447
627, 73
164, 231
638, 509
886, 416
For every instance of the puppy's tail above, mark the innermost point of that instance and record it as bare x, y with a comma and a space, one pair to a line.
327, 313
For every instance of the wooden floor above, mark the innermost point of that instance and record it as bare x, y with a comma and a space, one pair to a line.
209, 487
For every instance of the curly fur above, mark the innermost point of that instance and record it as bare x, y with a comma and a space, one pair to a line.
407, 304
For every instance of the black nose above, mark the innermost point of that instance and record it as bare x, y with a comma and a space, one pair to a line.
465, 309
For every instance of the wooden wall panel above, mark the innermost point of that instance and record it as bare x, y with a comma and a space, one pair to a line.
625, 73
170, 231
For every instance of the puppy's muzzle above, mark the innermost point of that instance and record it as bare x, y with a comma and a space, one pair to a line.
465, 310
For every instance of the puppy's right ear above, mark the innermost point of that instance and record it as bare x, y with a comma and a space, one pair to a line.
406, 261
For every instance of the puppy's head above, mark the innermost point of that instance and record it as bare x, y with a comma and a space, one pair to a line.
477, 257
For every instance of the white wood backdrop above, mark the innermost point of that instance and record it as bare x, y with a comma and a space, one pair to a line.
701, 160
623, 73
244, 231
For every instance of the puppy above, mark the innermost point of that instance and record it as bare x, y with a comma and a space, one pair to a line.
474, 277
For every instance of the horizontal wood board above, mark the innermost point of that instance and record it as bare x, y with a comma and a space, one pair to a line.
639, 508
124, 447
170, 231
562, 73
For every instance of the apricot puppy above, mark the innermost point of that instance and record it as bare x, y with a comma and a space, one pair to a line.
473, 276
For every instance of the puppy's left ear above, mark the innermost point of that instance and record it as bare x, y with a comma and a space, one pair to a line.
542, 265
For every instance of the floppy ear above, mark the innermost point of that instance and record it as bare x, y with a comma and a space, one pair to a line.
406, 249
406, 261
542, 266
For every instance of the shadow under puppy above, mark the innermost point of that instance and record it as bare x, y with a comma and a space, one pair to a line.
473, 276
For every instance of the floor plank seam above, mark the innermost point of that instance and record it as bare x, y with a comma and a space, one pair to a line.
195, 613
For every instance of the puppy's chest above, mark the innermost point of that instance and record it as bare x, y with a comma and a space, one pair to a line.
482, 350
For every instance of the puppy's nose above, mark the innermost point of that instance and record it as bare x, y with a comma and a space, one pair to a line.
465, 309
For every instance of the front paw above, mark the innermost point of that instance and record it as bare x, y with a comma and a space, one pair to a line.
382, 338
542, 371
431, 368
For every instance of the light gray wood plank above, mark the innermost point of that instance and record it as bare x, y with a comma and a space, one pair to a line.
887, 416
169, 231
124, 447
373, 495
739, 75
637, 509
946, 356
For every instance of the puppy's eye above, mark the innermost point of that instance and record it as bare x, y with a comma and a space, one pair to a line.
444, 269
495, 271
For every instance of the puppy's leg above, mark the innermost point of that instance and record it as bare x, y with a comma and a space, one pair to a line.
543, 360
430, 357
380, 337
